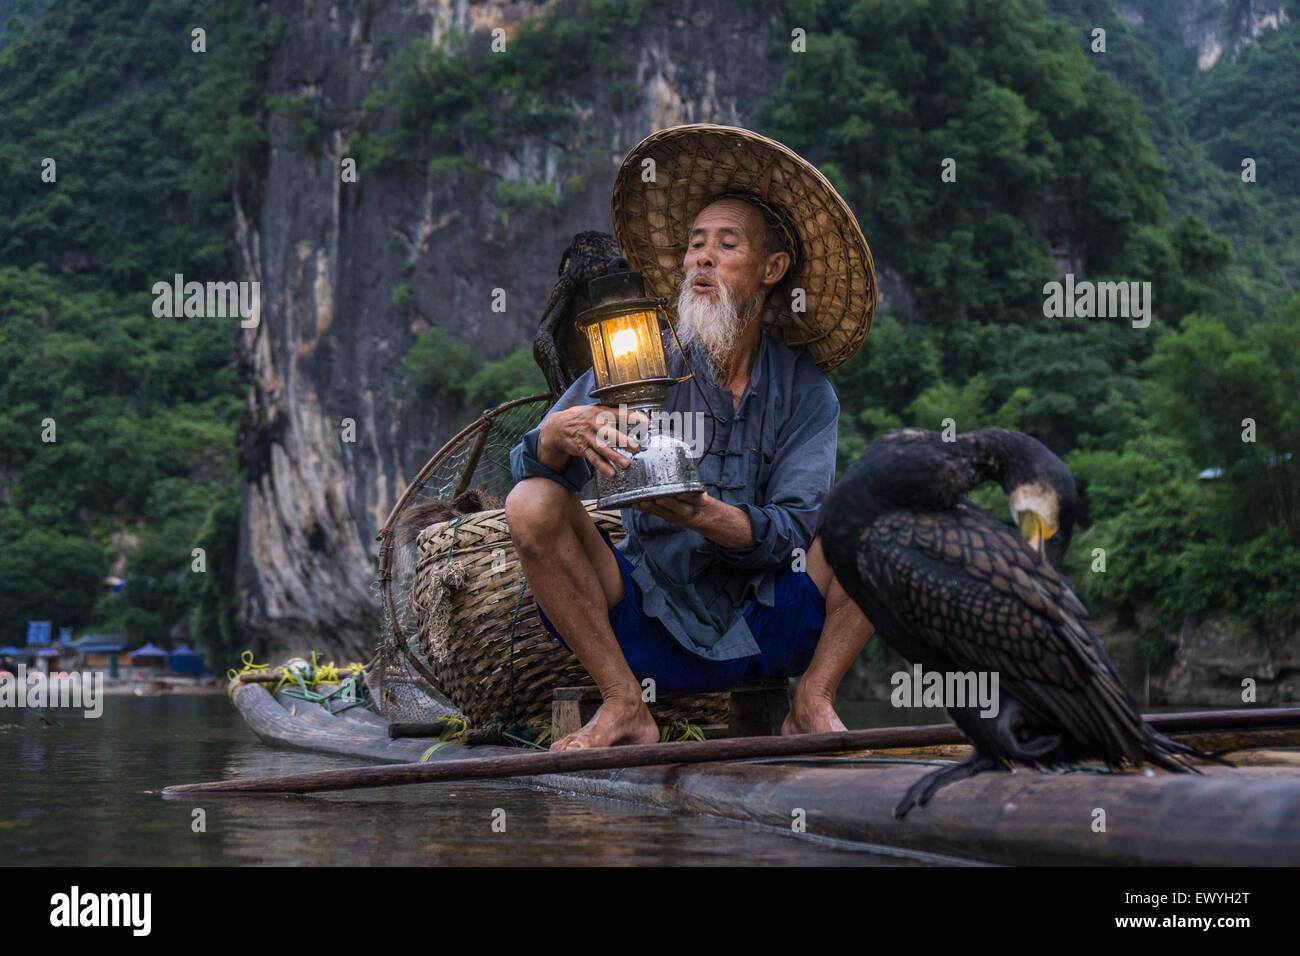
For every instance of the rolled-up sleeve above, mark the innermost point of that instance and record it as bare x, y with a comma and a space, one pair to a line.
523, 457
802, 471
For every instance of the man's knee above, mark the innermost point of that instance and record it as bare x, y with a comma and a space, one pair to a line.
535, 509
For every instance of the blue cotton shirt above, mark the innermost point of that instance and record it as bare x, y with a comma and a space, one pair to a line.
773, 457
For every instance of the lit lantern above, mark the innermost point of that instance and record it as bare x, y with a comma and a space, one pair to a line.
631, 373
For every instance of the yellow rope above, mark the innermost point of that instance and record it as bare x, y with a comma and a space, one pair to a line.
453, 729
311, 675
249, 666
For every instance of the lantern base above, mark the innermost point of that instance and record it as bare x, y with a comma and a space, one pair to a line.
663, 466
646, 392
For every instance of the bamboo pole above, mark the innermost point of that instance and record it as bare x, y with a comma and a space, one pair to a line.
467, 469
427, 728
640, 755
568, 761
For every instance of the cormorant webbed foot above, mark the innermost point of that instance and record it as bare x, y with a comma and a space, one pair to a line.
919, 793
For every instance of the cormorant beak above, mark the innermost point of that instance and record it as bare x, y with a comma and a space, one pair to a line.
1035, 529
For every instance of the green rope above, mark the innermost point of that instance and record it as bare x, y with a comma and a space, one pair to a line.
1076, 768
451, 550
514, 620
683, 728
837, 761
355, 699
306, 694
303, 692
521, 740
526, 735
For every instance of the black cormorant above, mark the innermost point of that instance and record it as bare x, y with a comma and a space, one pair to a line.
560, 347
952, 588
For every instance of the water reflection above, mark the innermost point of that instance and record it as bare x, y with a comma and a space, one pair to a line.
77, 793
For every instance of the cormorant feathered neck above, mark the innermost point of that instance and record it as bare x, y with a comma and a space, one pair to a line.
1009, 458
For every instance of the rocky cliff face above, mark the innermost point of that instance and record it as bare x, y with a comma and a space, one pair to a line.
1216, 29
1216, 662
328, 255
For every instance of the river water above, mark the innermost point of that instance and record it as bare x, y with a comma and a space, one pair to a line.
79, 791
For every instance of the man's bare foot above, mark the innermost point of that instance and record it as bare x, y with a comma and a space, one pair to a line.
618, 721
811, 716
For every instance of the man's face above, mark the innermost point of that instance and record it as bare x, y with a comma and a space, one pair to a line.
727, 277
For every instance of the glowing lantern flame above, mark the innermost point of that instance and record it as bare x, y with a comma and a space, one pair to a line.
623, 342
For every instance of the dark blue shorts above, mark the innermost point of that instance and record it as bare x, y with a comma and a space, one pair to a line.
787, 635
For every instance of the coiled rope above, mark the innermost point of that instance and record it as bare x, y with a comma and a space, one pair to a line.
350, 688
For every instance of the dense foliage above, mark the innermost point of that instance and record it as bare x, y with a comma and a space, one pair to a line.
116, 435
1089, 160
117, 428
1220, 544
438, 366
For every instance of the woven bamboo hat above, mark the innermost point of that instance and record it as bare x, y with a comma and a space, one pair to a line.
695, 164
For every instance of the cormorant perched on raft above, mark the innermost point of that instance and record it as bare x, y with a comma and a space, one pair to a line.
952, 588
559, 348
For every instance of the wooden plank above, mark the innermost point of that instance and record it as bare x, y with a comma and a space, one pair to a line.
1220, 741
758, 709
589, 692
566, 716
1264, 758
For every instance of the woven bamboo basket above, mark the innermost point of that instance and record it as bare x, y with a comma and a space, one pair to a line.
480, 634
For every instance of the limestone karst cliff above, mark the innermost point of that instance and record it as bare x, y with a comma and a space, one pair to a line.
328, 255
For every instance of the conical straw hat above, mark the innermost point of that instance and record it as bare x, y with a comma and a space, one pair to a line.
695, 163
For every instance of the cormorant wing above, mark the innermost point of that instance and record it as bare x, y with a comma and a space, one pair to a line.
546, 352
964, 586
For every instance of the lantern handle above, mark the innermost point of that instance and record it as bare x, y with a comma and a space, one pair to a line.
662, 305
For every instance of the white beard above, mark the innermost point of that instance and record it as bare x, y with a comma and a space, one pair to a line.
714, 322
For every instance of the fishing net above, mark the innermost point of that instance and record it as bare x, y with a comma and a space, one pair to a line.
468, 474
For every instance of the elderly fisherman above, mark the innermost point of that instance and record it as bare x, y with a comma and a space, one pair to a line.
774, 285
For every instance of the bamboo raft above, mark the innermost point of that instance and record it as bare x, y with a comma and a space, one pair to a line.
1248, 815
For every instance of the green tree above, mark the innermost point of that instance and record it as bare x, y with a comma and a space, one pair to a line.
437, 365
515, 376
46, 575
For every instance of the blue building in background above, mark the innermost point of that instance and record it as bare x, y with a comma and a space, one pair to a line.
183, 660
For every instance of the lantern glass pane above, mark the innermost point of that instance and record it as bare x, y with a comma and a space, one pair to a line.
599, 357
634, 348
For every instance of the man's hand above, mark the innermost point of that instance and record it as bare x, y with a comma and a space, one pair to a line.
589, 432
682, 509
718, 521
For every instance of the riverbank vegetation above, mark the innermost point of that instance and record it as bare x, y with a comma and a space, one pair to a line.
1068, 160
118, 428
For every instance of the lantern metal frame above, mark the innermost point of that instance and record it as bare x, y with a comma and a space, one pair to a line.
663, 464
637, 391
